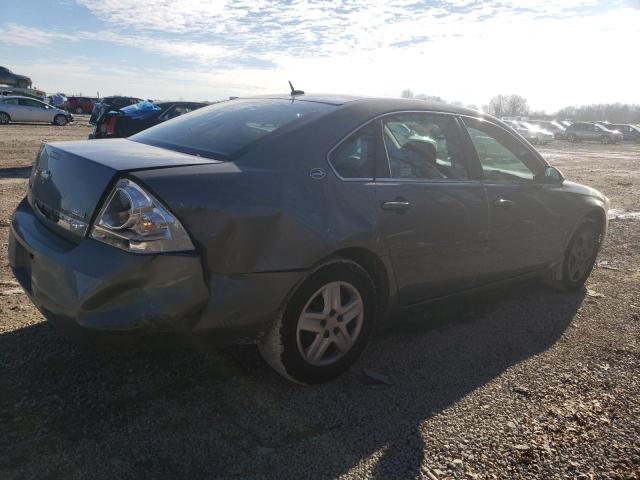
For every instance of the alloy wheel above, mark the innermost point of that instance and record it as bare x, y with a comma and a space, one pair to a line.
582, 254
330, 323
4, 118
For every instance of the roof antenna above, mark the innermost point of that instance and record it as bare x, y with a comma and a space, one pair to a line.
294, 91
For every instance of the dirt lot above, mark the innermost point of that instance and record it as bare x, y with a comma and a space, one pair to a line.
523, 382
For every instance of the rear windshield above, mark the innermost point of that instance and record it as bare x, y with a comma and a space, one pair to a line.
224, 129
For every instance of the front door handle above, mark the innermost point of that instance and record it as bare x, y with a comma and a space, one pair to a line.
398, 205
504, 203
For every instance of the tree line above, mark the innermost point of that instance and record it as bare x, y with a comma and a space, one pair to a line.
518, 106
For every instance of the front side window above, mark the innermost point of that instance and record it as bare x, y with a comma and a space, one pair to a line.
31, 103
354, 158
503, 157
423, 146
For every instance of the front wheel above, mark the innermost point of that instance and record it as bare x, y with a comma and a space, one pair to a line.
4, 118
580, 256
573, 138
60, 120
605, 139
324, 326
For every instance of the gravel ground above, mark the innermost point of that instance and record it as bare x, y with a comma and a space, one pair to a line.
518, 383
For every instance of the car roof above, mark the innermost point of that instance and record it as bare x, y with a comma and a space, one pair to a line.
178, 102
374, 103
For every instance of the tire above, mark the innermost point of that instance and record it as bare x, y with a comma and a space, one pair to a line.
605, 139
573, 138
78, 110
4, 118
580, 256
60, 120
323, 344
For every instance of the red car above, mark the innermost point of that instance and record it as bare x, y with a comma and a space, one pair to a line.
80, 104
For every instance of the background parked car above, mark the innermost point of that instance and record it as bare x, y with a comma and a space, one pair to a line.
559, 131
629, 132
80, 104
138, 117
9, 78
25, 109
579, 131
532, 133
537, 134
111, 103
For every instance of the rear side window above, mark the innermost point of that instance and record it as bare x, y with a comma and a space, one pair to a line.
502, 156
423, 146
226, 128
354, 157
11, 101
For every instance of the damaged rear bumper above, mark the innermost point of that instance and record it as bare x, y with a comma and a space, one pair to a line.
92, 288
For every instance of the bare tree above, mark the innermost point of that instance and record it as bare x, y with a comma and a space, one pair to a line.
517, 106
612, 112
507, 106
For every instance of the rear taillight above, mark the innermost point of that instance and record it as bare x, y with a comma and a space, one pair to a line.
111, 125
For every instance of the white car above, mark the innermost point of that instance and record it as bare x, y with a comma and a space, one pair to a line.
25, 109
536, 134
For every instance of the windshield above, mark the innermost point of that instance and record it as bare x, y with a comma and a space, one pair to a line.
223, 129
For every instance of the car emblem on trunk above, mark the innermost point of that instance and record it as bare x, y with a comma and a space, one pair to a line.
45, 175
317, 173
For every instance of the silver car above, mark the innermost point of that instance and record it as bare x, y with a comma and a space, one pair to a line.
531, 132
25, 109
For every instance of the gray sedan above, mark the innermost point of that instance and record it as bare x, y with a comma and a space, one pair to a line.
25, 109
296, 222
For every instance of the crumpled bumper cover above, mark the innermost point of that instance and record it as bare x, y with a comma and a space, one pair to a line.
94, 286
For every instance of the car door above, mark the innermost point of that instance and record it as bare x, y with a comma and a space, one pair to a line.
432, 208
525, 228
14, 109
24, 111
40, 112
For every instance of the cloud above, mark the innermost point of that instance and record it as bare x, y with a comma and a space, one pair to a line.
464, 50
22, 35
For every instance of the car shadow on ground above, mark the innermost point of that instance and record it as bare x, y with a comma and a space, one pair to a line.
225, 414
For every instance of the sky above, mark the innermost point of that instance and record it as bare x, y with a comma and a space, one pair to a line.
554, 53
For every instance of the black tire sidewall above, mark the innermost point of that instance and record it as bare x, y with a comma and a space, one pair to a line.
292, 360
55, 120
6, 117
566, 278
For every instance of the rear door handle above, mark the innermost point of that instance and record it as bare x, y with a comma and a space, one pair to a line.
504, 203
398, 205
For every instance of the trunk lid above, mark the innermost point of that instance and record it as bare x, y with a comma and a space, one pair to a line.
69, 179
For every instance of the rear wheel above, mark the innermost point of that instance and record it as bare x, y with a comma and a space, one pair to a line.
324, 326
78, 110
580, 256
605, 139
60, 120
573, 138
4, 118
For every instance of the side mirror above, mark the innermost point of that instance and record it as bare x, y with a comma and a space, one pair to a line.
553, 176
